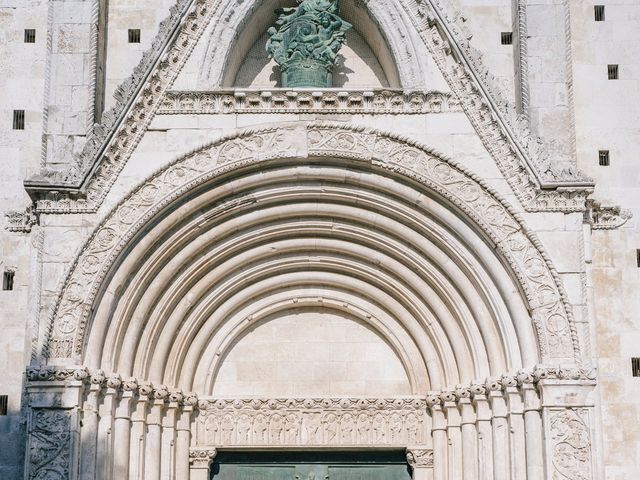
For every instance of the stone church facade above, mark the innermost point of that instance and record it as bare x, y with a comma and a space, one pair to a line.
431, 265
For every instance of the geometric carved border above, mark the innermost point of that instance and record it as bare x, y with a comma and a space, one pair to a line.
551, 314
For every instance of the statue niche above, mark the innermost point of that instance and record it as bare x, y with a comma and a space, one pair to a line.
305, 43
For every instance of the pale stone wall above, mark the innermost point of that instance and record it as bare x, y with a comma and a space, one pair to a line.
21, 88
122, 56
606, 116
313, 353
598, 271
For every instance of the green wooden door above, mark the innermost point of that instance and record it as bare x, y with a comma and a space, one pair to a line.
310, 466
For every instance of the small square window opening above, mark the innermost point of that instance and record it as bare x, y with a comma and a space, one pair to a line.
7, 280
30, 35
506, 38
4, 401
18, 119
635, 366
603, 158
134, 35
599, 13
612, 71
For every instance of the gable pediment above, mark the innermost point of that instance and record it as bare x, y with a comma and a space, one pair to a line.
532, 174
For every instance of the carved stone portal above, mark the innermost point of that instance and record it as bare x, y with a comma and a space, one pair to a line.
305, 43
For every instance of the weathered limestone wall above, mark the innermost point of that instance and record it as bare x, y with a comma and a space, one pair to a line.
606, 117
21, 88
311, 353
122, 56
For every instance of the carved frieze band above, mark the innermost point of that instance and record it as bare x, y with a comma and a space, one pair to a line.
98, 378
551, 316
321, 102
312, 422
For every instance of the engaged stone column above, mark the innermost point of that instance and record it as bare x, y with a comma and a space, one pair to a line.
122, 430
183, 440
420, 459
200, 461
439, 435
483, 425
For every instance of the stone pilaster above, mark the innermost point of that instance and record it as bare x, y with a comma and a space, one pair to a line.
53, 428
568, 422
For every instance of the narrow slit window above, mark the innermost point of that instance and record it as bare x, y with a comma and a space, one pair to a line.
4, 401
599, 13
635, 366
7, 280
134, 35
603, 158
638, 257
18, 119
506, 38
30, 35
613, 72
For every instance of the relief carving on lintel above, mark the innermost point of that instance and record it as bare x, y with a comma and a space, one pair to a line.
312, 422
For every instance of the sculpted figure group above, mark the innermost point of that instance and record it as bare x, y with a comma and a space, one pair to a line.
305, 42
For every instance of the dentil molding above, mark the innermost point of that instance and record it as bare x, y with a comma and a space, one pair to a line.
354, 102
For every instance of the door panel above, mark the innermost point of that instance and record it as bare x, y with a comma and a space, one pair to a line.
310, 466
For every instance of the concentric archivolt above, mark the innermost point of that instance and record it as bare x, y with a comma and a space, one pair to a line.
383, 226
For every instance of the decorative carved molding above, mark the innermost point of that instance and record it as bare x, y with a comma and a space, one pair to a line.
420, 457
552, 316
202, 457
222, 406
49, 444
21, 222
384, 101
602, 217
519, 155
312, 422
570, 445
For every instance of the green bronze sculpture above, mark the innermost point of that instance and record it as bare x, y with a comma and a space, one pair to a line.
305, 43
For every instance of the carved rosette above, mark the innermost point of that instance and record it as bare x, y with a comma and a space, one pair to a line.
312, 422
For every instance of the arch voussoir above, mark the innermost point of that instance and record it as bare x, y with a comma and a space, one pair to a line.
491, 215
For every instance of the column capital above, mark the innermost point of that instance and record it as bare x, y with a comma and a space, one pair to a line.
420, 457
201, 458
